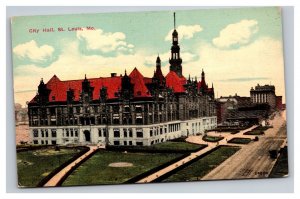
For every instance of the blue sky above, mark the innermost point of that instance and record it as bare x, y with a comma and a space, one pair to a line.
237, 48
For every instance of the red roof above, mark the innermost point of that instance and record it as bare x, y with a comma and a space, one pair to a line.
140, 89
147, 80
202, 84
59, 88
176, 83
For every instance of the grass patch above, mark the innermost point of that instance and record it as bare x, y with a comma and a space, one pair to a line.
260, 130
96, 170
201, 167
34, 165
165, 147
281, 168
175, 146
212, 138
240, 140
255, 132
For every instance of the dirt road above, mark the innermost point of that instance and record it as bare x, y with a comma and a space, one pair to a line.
252, 160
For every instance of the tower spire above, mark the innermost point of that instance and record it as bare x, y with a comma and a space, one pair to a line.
175, 60
174, 20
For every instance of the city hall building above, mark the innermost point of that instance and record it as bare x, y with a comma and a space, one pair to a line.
128, 109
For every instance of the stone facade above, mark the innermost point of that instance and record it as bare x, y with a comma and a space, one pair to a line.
123, 110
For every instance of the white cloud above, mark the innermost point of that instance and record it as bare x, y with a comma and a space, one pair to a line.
184, 32
236, 34
32, 51
104, 41
71, 64
261, 58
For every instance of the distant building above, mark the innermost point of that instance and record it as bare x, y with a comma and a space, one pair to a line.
248, 110
21, 114
226, 103
266, 94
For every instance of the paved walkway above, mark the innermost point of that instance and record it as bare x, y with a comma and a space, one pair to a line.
198, 140
55, 179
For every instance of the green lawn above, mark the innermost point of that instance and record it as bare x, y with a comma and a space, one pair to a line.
212, 138
176, 146
240, 140
258, 130
34, 165
254, 132
96, 170
165, 147
281, 168
204, 165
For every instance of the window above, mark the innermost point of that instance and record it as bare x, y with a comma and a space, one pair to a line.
53, 142
130, 132
125, 132
138, 109
125, 143
72, 134
99, 133
46, 142
42, 132
104, 132
116, 133
116, 121
139, 120
76, 132
67, 132
126, 109
130, 143
46, 132
116, 143
139, 134
35, 142
53, 133
52, 111
151, 132
35, 133
42, 142
139, 143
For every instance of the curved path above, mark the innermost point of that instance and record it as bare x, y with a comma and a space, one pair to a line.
197, 140
55, 179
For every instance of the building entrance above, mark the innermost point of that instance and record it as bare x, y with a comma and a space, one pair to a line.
87, 135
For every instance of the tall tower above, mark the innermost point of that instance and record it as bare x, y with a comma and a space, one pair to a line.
175, 61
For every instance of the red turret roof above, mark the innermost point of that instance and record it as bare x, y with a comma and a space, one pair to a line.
158, 74
176, 83
140, 89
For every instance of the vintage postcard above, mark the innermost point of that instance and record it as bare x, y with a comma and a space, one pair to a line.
143, 97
